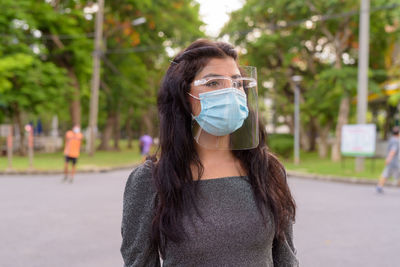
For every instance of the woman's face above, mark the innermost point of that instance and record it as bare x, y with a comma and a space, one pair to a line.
216, 67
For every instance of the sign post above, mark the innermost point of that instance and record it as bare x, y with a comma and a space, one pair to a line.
296, 80
29, 129
10, 146
363, 56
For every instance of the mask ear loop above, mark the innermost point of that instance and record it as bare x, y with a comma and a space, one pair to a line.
195, 97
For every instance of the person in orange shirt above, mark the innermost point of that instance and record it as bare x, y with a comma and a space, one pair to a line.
73, 140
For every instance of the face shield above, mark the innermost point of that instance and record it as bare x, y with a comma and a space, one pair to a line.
228, 117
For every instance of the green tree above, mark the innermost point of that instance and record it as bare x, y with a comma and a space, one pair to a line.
135, 58
53, 40
309, 38
28, 82
70, 46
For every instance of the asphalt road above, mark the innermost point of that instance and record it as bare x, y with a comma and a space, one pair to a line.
346, 225
45, 223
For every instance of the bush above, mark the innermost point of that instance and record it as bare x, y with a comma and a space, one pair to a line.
281, 144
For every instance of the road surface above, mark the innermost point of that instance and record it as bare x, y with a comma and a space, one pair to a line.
46, 223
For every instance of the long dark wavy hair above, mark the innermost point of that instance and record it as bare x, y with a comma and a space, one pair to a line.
172, 173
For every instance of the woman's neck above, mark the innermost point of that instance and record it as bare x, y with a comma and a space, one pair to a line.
213, 155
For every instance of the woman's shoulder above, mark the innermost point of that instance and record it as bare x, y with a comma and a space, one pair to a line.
144, 169
140, 180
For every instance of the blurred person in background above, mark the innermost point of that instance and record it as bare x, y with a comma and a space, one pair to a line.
145, 143
392, 164
214, 196
73, 141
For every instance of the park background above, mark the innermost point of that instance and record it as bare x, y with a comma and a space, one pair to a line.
46, 71
47, 50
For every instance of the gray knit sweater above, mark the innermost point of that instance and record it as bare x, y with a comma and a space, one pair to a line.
230, 233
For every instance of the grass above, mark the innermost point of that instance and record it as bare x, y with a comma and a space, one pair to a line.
311, 163
55, 161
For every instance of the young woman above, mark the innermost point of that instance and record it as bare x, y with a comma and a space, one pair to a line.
214, 196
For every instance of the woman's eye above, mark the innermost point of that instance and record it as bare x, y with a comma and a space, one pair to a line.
212, 84
239, 84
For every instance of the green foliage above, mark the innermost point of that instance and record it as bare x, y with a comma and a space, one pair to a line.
32, 84
394, 99
29, 81
46, 52
281, 144
11, 64
137, 56
279, 43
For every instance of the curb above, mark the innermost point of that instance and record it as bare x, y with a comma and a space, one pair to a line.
336, 179
88, 170
291, 174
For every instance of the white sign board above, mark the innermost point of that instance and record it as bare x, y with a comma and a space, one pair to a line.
358, 140
4, 130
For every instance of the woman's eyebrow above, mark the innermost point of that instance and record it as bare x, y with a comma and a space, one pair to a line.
211, 75
219, 75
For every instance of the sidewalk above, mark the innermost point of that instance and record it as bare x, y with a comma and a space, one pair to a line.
92, 169
338, 179
297, 174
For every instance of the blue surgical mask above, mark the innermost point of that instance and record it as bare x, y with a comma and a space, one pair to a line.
222, 111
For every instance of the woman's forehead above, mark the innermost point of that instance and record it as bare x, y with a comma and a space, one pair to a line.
220, 66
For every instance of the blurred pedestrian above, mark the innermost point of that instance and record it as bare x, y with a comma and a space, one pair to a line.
145, 143
392, 164
214, 195
73, 140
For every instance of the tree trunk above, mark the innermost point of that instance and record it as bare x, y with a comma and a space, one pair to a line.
148, 124
304, 140
107, 132
75, 103
343, 115
389, 119
128, 127
312, 137
308, 136
323, 145
116, 131
289, 121
18, 121
342, 120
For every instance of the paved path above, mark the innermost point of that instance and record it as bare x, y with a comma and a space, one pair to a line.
45, 223
346, 225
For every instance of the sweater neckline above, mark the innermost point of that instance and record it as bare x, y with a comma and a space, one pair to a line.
223, 178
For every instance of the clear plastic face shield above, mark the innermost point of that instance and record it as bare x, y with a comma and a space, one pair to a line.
225, 107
